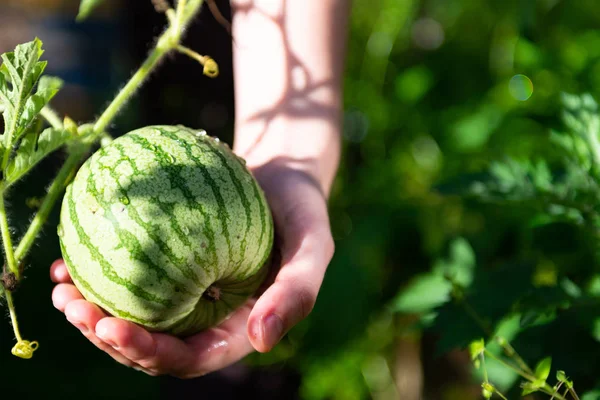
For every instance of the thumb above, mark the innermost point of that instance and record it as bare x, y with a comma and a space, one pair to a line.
307, 249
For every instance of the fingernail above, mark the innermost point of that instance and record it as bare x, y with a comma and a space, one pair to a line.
272, 330
102, 333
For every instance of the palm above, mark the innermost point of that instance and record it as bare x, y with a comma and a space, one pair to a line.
306, 247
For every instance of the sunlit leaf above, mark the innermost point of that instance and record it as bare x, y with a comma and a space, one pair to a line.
425, 292
33, 148
476, 348
430, 290
20, 71
542, 369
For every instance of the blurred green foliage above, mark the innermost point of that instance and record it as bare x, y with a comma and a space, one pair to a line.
435, 91
439, 94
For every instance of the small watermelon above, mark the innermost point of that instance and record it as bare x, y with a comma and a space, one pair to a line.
167, 228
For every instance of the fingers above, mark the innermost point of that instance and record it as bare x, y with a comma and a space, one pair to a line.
63, 294
208, 351
85, 316
307, 250
153, 353
59, 272
156, 353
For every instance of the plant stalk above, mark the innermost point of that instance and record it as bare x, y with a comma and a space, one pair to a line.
130, 88
167, 42
7, 241
546, 388
164, 45
52, 117
54, 192
511, 352
13, 315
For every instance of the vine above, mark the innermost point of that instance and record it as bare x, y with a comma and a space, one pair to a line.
25, 95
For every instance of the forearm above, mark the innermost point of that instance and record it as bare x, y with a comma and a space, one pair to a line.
288, 69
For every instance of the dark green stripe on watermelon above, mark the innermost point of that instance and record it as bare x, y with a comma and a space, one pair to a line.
107, 269
175, 178
240, 190
113, 309
177, 262
223, 214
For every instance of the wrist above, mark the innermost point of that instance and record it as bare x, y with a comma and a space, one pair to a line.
311, 146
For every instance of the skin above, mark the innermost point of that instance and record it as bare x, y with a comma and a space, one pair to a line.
288, 63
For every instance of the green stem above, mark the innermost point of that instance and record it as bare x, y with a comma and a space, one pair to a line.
546, 388
56, 189
164, 45
556, 390
179, 16
130, 88
573, 393
512, 353
52, 117
501, 395
168, 41
485, 373
510, 366
13, 315
191, 53
7, 241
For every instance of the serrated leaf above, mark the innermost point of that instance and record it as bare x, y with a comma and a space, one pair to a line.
47, 88
86, 7
33, 148
542, 369
23, 69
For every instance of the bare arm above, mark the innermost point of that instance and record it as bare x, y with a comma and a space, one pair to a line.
288, 63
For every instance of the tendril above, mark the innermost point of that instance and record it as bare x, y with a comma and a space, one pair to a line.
24, 349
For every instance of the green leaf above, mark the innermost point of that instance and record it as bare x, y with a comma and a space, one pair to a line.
46, 90
432, 289
86, 7
424, 293
476, 348
532, 387
542, 369
32, 149
20, 71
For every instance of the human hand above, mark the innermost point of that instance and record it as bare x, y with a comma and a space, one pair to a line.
305, 245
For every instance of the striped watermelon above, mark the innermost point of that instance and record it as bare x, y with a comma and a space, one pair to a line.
167, 228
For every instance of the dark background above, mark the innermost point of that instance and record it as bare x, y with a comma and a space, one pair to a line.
434, 89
